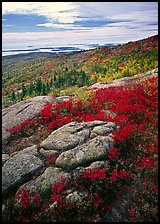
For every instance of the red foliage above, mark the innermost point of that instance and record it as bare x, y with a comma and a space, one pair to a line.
94, 174
52, 159
46, 112
57, 190
25, 199
113, 153
122, 174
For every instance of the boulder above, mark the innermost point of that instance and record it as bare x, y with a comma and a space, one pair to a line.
30, 150
78, 172
19, 169
124, 80
66, 137
75, 197
95, 149
17, 113
61, 99
5, 157
43, 183
47, 153
120, 207
102, 130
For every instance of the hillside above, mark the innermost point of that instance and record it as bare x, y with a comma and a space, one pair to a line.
29, 75
94, 158
80, 140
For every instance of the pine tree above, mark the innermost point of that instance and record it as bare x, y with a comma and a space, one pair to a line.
13, 96
43, 91
24, 91
48, 87
51, 82
31, 89
39, 86
55, 73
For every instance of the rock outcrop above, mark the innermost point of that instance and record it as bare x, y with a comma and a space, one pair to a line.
17, 113
43, 183
125, 80
18, 169
76, 146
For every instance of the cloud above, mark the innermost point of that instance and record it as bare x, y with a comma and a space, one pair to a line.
100, 35
51, 10
71, 12
80, 22
62, 26
8, 25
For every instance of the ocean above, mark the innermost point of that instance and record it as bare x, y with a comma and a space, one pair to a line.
54, 49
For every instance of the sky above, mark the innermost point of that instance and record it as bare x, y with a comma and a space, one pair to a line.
42, 24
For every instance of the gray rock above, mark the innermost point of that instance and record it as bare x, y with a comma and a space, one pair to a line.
75, 197
99, 164
125, 80
102, 130
92, 124
53, 205
18, 169
120, 207
66, 137
78, 172
95, 149
61, 99
43, 183
17, 113
30, 150
48, 153
93, 135
156, 70
5, 157
3, 208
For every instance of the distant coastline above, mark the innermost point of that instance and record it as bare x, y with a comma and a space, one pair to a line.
52, 50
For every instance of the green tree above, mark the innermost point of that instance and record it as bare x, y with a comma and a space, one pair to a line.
43, 90
51, 82
31, 89
13, 96
39, 86
48, 87
24, 91
55, 74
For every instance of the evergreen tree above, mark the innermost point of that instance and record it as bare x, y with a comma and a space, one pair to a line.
13, 96
55, 73
39, 86
24, 91
59, 83
51, 82
43, 91
31, 89
48, 87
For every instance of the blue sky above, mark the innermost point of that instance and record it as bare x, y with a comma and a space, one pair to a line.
63, 23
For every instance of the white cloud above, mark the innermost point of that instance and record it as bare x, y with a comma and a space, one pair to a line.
62, 26
96, 35
69, 12
64, 14
9, 25
60, 11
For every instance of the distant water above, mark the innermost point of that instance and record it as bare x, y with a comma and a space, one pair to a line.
55, 50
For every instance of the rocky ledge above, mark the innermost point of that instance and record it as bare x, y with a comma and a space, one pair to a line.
125, 80
76, 146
